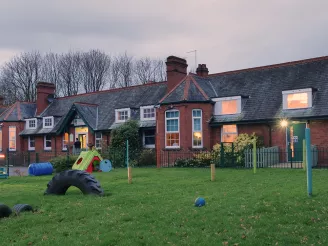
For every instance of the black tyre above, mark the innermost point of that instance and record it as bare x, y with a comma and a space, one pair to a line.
5, 211
18, 208
80, 179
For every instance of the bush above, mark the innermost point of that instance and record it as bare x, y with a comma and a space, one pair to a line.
147, 158
60, 163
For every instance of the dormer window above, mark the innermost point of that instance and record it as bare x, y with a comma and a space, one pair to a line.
227, 105
122, 115
147, 113
31, 124
48, 122
297, 99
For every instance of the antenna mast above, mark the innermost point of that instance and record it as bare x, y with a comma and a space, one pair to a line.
195, 51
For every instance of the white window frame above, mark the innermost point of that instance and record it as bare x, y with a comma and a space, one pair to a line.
148, 146
12, 127
98, 139
28, 123
218, 104
121, 110
286, 93
201, 127
44, 142
142, 112
236, 133
63, 142
52, 121
172, 147
28, 144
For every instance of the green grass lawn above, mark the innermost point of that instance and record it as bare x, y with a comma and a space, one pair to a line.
269, 208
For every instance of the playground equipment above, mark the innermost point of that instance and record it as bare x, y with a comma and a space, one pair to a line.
199, 202
4, 173
5, 211
37, 169
87, 160
105, 166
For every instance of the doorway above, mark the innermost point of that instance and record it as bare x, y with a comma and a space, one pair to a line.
83, 140
295, 136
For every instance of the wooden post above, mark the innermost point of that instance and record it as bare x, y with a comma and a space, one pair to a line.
129, 175
304, 154
212, 172
254, 156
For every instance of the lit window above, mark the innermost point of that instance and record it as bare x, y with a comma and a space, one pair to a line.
297, 99
122, 115
65, 141
12, 138
47, 142
48, 122
149, 138
197, 128
98, 139
229, 133
31, 124
31, 143
172, 129
227, 105
147, 113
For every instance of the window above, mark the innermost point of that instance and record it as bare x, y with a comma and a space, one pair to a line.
65, 141
297, 99
227, 105
31, 143
229, 133
122, 115
149, 138
31, 124
147, 113
0, 139
12, 138
172, 135
48, 122
197, 128
47, 142
98, 139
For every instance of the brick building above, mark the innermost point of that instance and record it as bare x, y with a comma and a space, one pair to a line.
187, 112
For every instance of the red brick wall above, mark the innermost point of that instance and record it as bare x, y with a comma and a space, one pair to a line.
259, 129
319, 133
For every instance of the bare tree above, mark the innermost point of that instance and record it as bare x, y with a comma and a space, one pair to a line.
70, 73
147, 70
21, 74
122, 71
50, 70
95, 68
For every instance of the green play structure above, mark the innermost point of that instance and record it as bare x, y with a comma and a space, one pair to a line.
87, 160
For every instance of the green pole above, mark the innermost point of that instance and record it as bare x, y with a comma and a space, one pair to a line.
304, 154
308, 161
127, 153
254, 156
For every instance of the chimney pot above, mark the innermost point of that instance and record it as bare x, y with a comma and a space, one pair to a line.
202, 70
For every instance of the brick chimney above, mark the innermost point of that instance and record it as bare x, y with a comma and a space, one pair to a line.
176, 70
44, 91
202, 70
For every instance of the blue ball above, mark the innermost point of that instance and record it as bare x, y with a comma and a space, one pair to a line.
199, 202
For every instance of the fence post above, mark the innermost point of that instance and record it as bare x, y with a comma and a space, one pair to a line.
36, 157
67, 158
28, 158
233, 154
8, 161
222, 156
308, 161
168, 158
127, 163
304, 154
254, 156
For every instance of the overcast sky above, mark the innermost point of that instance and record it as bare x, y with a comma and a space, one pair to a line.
227, 34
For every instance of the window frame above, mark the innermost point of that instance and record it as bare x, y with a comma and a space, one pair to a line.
218, 104
201, 127
52, 122
298, 91
222, 133
98, 139
122, 110
12, 127
63, 141
172, 147
44, 142
148, 146
142, 112
28, 144
28, 123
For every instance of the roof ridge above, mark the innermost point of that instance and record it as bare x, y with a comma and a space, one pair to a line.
10, 111
277, 65
200, 89
186, 89
19, 115
88, 104
176, 86
113, 89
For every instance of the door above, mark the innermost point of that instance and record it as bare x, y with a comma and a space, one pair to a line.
295, 135
83, 140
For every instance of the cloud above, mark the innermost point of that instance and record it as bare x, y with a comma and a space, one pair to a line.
227, 34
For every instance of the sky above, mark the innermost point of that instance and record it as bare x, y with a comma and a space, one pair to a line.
227, 34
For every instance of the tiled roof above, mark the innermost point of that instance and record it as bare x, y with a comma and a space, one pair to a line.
18, 111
